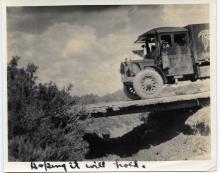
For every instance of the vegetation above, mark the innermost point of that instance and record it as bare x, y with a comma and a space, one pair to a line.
92, 98
39, 125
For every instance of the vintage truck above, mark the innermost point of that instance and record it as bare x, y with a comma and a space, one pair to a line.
169, 55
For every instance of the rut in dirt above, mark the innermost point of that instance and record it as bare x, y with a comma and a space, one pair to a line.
159, 127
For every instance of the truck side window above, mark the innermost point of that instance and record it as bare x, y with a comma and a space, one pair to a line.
180, 39
166, 41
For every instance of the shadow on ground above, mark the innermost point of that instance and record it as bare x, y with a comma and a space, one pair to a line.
160, 127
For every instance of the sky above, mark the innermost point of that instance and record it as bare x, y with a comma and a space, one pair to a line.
84, 45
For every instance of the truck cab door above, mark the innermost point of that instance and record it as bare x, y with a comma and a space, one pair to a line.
175, 55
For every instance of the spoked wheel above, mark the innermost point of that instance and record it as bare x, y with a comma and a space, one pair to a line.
148, 83
130, 92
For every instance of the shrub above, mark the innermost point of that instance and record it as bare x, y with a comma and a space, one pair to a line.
39, 126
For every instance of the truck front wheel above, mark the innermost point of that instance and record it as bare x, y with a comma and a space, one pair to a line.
148, 83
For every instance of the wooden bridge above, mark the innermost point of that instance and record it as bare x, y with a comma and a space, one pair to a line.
140, 106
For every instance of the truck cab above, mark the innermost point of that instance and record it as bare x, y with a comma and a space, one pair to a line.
169, 54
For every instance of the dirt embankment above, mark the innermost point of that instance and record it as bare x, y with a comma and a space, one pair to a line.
173, 135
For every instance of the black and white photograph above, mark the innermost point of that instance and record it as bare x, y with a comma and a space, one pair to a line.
99, 83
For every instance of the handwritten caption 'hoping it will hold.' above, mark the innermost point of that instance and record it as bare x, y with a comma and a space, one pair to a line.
77, 166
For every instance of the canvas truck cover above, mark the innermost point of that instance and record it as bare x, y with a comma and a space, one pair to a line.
199, 38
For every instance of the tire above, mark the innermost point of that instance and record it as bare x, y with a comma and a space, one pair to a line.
148, 83
130, 92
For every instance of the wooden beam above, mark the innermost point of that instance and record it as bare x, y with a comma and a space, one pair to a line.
148, 105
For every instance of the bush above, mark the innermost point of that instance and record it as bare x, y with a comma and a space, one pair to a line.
39, 124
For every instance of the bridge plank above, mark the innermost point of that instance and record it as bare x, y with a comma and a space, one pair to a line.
148, 105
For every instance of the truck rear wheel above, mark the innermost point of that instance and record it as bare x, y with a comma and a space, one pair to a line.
148, 83
130, 92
